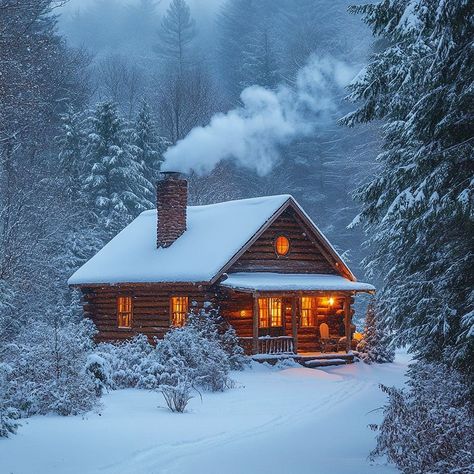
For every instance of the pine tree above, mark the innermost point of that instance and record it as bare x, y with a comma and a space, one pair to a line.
48, 362
8, 414
115, 182
418, 206
72, 145
149, 148
259, 64
176, 35
247, 46
374, 347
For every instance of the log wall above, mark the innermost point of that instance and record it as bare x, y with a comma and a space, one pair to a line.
151, 312
150, 305
303, 257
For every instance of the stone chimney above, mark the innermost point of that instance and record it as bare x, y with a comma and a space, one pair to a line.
171, 202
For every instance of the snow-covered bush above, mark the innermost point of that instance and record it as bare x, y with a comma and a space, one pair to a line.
429, 427
230, 343
374, 346
213, 326
195, 354
177, 396
128, 362
100, 372
8, 414
48, 362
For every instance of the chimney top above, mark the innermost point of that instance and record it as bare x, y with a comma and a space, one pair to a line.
171, 174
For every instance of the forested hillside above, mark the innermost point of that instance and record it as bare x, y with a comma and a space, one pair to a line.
92, 95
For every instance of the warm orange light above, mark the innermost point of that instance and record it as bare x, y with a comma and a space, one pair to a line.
179, 310
331, 301
358, 336
124, 312
243, 312
282, 245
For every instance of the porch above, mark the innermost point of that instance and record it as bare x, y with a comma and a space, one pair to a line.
294, 316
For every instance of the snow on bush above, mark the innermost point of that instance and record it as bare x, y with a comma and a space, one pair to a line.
8, 414
100, 372
429, 427
191, 353
374, 346
127, 363
177, 396
200, 354
212, 325
48, 373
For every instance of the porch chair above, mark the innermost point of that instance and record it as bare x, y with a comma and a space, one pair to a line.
325, 338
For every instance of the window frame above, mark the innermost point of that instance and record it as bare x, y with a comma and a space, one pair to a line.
183, 312
268, 309
275, 245
122, 313
312, 316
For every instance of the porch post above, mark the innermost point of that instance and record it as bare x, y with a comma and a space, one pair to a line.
347, 321
255, 324
294, 326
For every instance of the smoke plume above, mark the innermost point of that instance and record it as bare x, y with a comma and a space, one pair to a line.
253, 134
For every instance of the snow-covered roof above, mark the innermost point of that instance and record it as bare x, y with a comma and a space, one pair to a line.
264, 281
214, 234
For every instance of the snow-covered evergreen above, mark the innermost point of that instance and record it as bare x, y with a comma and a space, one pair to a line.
72, 146
428, 428
8, 414
48, 362
374, 347
149, 148
417, 212
418, 207
115, 184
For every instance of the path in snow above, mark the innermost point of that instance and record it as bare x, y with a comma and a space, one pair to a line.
295, 420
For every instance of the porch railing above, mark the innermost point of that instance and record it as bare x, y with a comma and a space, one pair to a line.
276, 345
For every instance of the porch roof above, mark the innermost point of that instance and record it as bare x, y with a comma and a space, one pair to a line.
265, 281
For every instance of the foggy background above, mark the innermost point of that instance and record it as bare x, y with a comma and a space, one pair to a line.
245, 99
319, 169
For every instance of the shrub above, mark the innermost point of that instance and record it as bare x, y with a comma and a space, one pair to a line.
429, 427
127, 361
189, 352
177, 396
212, 325
100, 372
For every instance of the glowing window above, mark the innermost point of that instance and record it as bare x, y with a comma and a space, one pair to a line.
282, 245
179, 310
309, 309
124, 312
269, 312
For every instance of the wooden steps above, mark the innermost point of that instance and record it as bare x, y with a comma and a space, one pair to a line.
308, 360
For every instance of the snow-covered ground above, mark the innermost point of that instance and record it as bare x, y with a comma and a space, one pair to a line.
292, 420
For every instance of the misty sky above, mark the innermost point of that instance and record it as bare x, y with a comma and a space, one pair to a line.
197, 6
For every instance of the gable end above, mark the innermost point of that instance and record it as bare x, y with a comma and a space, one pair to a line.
310, 251
304, 256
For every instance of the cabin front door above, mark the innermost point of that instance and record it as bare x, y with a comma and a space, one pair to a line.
271, 316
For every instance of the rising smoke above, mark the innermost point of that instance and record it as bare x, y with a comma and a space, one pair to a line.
253, 134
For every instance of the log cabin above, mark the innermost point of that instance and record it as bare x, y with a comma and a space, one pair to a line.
262, 261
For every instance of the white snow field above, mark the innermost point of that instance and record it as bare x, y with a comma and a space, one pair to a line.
277, 420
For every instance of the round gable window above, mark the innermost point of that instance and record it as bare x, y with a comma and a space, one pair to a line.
282, 245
